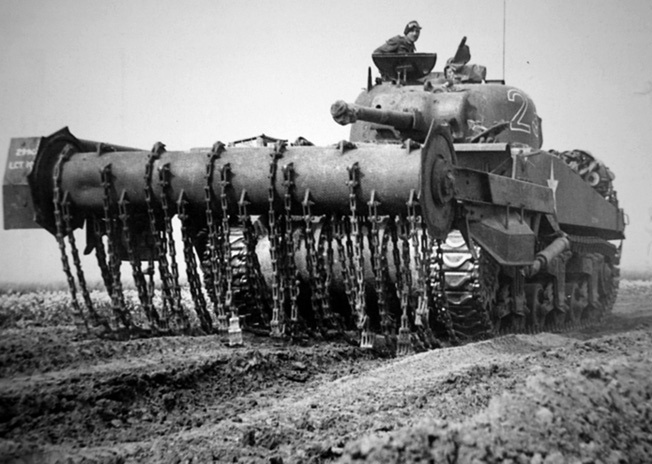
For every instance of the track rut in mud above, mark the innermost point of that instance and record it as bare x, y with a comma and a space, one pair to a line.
194, 399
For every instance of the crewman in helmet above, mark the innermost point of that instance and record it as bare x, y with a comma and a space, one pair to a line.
402, 43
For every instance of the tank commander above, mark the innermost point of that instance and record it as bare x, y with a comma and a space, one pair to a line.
402, 43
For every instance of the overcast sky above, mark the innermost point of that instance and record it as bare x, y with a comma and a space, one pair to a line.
190, 73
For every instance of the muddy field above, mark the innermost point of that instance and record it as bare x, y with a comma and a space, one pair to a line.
580, 396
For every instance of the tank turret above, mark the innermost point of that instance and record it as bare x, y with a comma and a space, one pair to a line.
408, 98
474, 112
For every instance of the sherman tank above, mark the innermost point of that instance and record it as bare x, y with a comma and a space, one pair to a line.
441, 220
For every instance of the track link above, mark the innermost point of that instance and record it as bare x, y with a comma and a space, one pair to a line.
466, 305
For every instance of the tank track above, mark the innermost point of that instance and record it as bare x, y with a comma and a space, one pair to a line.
241, 296
610, 276
466, 294
472, 292
250, 296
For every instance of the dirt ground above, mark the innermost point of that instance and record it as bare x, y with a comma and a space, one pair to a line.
580, 396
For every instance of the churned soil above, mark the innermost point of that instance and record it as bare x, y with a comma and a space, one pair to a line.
578, 396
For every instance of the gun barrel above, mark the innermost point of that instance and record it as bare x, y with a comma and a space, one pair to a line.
347, 113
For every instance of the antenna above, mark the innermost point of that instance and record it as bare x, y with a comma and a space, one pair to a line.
504, 29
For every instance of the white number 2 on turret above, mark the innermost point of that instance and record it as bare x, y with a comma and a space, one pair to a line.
517, 124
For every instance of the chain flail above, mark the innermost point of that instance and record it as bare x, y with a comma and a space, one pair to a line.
88, 302
358, 257
311, 256
291, 271
215, 244
278, 274
385, 232
426, 251
100, 254
230, 274
353, 286
404, 289
235, 334
319, 263
227, 268
177, 306
136, 270
117, 297
321, 273
57, 200
345, 264
396, 253
159, 243
378, 263
151, 287
440, 297
421, 312
327, 272
192, 275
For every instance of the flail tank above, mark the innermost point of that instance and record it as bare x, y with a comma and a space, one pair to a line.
441, 220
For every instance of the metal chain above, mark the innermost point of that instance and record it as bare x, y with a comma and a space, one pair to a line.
215, 244
159, 243
441, 299
384, 232
377, 263
326, 272
356, 232
90, 308
227, 269
235, 334
347, 270
151, 287
100, 254
405, 288
117, 297
278, 275
426, 252
177, 307
318, 265
134, 260
421, 311
57, 200
194, 281
396, 253
350, 264
311, 258
291, 268
322, 274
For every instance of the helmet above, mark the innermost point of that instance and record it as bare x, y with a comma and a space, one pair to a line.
411, 26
